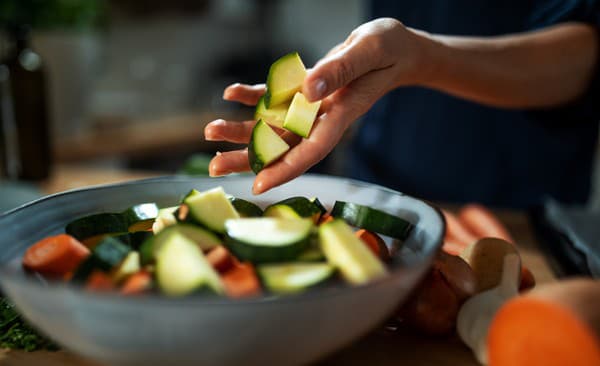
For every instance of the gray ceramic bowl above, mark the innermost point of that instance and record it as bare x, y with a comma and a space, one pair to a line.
267, 331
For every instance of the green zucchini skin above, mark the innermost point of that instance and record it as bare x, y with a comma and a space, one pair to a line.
140, 217
302, 206
136, 239
372, 219
265, 254
246, 208
105, 256
98, 224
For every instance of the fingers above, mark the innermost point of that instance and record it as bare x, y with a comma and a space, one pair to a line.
229, 162
343, 65
243, 93
236, 132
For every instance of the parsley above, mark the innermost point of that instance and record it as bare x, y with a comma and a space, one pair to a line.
16, 334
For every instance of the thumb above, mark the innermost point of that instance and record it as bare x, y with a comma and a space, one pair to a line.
336, 71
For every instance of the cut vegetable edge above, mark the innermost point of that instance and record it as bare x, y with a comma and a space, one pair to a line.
273, 116
211, 208
294, 277
301, 115
265, 147
372, 219
285, 78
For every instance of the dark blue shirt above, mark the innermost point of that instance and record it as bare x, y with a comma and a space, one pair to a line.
438, 147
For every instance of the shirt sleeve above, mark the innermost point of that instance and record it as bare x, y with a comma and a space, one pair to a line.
545, 13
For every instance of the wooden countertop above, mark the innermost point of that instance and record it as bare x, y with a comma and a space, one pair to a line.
381, 347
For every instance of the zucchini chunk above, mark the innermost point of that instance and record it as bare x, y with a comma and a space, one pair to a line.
211, 208
293, 277
109, 253
285, 78
97, 225
182, 269
246, 208
372, 219
129, 266
204, 239
164, 218
267, 239
273, 116
265, 146
141, 217
348, 253
301, 115
293, 208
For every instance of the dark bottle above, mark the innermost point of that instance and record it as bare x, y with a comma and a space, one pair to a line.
24, 101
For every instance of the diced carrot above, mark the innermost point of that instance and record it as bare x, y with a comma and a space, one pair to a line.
374, 242
99, 281
527, 279
183, 212
241, 281
138, 283
483, 223
55, 256
528, 331
220, 258
456, 231
326, 217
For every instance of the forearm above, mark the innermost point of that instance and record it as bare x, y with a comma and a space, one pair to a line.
537, 69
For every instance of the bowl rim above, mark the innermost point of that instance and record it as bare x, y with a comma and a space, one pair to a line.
310, 295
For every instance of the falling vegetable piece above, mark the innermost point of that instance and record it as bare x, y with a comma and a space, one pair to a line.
555, 324
477, 313
55, 256
483, 223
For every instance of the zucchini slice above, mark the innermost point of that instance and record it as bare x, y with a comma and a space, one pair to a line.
265, 146
344, 250
97, 225
312, 254
108, 254
181, 268
293, 277
301, 115
211, 209
246, 208
293, 208
273, 116
285, 78
267, 239
141, 217
204, 239
129, 266
372, 219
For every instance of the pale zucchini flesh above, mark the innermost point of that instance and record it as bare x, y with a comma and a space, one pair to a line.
265, 146
293, 277
211, 208
285, 78
301, 115
273, 116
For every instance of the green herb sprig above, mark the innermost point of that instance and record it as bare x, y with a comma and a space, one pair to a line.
15, 333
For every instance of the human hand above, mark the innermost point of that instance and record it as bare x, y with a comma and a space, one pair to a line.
377, 57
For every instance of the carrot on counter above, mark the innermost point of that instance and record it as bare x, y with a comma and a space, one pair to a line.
241, 281
529, 331
483, 223
221, 259
99, 281
55, 256
374, 242
456, 231
137, 284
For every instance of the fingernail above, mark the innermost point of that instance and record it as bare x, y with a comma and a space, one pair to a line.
210, 135
257, 188
319, 88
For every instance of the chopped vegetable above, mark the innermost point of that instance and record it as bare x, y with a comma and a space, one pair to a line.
241, 281
55, 256
221, 259
99, 281
211, 209
285, 78
265, 146
295, 207
138, 283
273, 116
375, 243
294, 277
368, 218
301, 115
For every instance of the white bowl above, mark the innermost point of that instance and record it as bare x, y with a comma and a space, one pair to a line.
266, 331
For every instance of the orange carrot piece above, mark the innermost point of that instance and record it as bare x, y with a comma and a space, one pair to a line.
374, 242
456, 231
527, 279
528, 331
137, 284
220, 259
241, 281
55, 256
325, 218
483, 223
99, 281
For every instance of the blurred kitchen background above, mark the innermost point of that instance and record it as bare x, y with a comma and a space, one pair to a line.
125, 87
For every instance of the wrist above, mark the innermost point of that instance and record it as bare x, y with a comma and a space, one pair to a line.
429, 58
